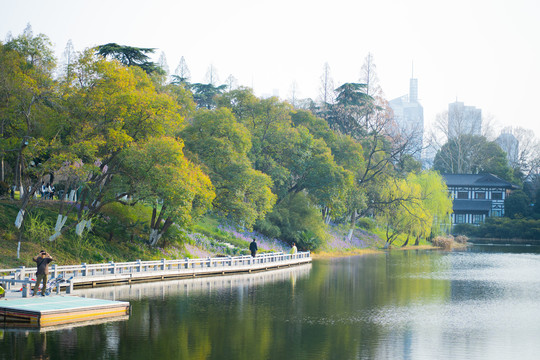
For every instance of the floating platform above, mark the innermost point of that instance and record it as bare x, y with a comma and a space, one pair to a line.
43, 311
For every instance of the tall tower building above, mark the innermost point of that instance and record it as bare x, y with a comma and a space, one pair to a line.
409, 118
510, 145
463, 120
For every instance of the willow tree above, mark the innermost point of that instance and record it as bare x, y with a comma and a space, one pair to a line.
417, 206
400, 208
436, 200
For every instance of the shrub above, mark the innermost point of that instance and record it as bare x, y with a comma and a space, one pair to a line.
366, 223
38, 229
122, 222
267, 228
308, 240
465, 229
298, 221
444, 242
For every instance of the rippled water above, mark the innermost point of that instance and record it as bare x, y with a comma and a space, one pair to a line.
478, 304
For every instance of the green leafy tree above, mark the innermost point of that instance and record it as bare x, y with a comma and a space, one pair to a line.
109, 107
517, 205
221, 144
295, 219
297, 161
472, 154
352, 104
130, 56
400, 209
317, 126
157, 173
28, 115
436, 202
183, 98
205, 94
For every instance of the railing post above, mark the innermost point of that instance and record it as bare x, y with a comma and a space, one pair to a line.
54, 274
139, 265
84, 269
163, 264
25, 288
113, 267
22, 274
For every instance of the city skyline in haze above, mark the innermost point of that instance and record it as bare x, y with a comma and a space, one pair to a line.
482, 53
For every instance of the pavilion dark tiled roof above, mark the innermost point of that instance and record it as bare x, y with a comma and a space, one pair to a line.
476, 180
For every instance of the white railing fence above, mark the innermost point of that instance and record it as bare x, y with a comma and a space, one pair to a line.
88, 273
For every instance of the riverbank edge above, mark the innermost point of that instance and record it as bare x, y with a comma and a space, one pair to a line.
360, 252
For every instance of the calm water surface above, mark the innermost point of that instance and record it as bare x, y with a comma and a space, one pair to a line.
483, 303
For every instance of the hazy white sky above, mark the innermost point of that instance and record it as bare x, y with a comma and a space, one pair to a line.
485, 53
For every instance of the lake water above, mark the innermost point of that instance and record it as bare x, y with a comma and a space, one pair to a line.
483, 303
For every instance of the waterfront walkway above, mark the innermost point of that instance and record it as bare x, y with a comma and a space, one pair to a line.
106, 274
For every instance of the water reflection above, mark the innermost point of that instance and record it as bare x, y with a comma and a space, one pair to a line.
168, 288
398, 305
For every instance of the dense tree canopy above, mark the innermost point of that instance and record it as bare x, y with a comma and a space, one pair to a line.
472, 154
130, 56
219, 142
108, 132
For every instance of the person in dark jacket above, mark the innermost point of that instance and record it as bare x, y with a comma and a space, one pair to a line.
253, 247
42, 261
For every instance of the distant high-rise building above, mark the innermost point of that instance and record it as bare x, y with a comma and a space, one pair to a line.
510, 145
463, 120
409, 118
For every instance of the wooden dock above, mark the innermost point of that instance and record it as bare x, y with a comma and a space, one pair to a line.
39, 311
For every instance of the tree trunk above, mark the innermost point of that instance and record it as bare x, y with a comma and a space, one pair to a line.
353, 225
406, 241
155, 235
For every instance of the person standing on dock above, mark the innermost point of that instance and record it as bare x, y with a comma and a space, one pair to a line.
294, 250
253, 247
42, 261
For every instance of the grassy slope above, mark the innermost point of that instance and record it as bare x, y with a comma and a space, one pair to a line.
72, 249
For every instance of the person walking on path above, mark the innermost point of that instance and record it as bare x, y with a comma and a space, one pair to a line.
294, 250
253, 247
42, 261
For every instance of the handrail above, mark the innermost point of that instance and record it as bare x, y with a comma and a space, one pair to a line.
138, 266
7, 271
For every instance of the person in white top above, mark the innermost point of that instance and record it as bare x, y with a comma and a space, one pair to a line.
294, 250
